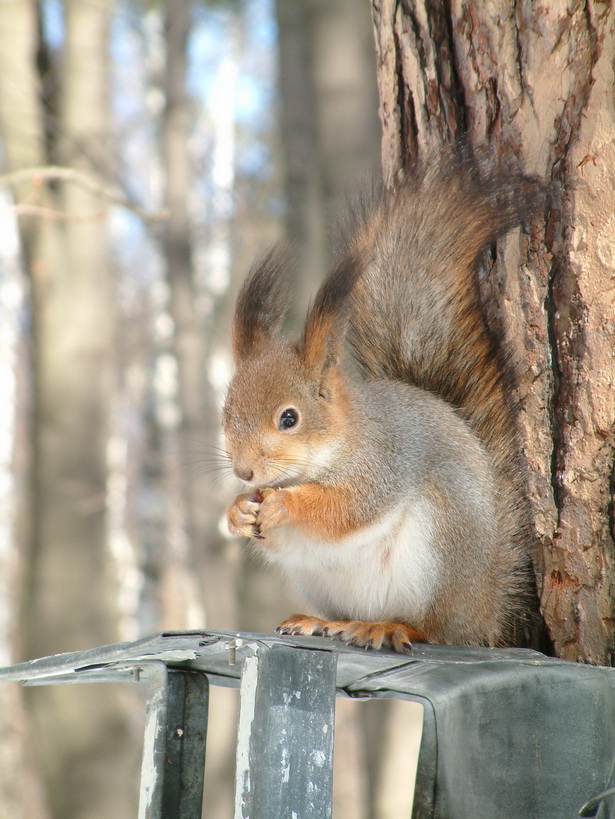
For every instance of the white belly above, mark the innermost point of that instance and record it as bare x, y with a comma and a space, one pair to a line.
389, 570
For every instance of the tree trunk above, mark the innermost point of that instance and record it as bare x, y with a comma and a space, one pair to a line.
329, 125
182, 604
73, 316
205, 574
535, 80
21, 793
69, 603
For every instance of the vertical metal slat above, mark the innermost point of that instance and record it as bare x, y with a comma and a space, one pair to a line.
174, 743
285, 739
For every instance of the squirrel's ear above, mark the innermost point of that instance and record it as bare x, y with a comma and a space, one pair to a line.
322, 343
261, 303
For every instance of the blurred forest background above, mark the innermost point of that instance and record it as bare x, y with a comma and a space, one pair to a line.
149, 150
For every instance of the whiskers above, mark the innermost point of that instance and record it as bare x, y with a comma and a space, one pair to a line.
203, 461
286, 469
213, 464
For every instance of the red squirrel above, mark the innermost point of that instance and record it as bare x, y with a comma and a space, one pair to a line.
389, 491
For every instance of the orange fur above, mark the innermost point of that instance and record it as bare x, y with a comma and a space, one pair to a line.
323, 512
384, 633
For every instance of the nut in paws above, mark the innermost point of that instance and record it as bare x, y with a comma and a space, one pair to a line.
242, 514
273, 510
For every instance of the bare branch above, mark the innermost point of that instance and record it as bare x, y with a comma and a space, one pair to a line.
56, 215
83, 180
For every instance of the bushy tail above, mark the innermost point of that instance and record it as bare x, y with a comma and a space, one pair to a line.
416, 312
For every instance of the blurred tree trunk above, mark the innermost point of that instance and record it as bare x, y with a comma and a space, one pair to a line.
200, 572
535, 80
189, 526
69, 601
202, 587
330, 130
21, 794
331, 138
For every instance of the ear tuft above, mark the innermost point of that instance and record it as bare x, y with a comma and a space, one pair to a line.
261, 303
324, 332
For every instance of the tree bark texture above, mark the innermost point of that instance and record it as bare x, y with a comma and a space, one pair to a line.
534, 80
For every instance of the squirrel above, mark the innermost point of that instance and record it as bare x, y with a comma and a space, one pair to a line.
388, 490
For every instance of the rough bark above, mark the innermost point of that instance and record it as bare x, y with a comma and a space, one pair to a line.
535, 80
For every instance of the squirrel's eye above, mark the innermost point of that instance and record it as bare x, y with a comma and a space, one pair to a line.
289, 418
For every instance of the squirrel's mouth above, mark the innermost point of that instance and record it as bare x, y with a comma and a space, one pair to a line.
276, 477
278, 482
270, 475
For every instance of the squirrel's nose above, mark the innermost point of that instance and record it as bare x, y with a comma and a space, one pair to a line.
244, 473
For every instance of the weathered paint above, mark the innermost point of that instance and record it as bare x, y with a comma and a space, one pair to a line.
247, 705
285, 741
156, 677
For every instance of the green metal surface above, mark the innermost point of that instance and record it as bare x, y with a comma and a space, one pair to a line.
285, 738
507, 733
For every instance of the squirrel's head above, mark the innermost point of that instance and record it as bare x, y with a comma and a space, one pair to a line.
286, 408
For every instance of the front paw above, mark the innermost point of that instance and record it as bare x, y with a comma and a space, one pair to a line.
273, 511
241, 516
